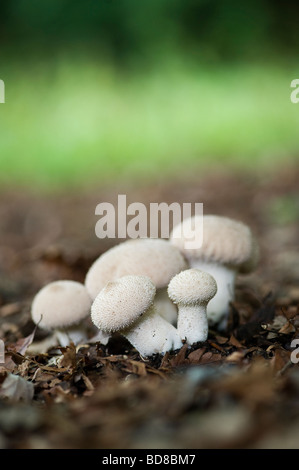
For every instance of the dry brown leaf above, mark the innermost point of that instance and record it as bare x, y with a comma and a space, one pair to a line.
68, 360
234, 342
136, 367
49, 368
216, 346
195, 356
17, 351
287, 328
236, 356
209, 357
87, 383
221, 339
180, 358
22, 344
280, 359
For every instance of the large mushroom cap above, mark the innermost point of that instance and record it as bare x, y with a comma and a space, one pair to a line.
192, 286
60, 304
225, 241
122, 302
155, 258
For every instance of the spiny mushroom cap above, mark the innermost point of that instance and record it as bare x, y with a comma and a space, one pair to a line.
60, 304
192, 286
122, 302
225, 241
151, 257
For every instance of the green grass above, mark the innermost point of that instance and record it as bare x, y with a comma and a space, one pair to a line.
80, 122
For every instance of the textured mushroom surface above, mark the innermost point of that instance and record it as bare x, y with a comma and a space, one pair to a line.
60, 304
156, 258
192, 286
122, 302
225, 241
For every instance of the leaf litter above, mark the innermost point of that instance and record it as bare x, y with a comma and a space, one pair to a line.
239, 389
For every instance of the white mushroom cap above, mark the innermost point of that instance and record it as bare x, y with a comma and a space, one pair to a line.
122, 302
225, 241
191, 287
155, 258
60, 304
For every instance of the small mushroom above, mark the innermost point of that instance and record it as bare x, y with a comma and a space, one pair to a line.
152, 257
192, 290
126, 306
61, 307
228, 248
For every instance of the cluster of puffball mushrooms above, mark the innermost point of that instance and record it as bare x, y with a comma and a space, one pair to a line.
155, 292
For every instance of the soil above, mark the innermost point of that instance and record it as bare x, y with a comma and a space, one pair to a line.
239, 389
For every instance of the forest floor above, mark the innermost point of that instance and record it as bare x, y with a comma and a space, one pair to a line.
239, 389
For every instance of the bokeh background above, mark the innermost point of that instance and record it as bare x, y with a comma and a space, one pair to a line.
113, 90
165, 101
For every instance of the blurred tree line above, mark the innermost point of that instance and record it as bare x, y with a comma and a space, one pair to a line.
206, 29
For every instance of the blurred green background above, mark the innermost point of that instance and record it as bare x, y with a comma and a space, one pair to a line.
111, 90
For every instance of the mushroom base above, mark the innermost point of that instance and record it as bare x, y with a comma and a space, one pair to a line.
152, 334
75, 334
193, 323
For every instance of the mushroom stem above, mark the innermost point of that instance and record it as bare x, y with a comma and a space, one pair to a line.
75, 334
192, 323
225, 277
161, 335
192, 290
41, 347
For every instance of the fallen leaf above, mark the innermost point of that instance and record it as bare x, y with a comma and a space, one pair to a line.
69, 358
17, 350
216, 346
280, 358
221, 339
209, 357
180, 358
195, 356
22, 344
235, 356
16, 388
135, 367
87, 383
234, 342
287, 328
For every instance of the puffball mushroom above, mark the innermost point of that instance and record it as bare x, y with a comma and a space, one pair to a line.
152, 257
228, 248
126, 306
192, 290
61, 307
